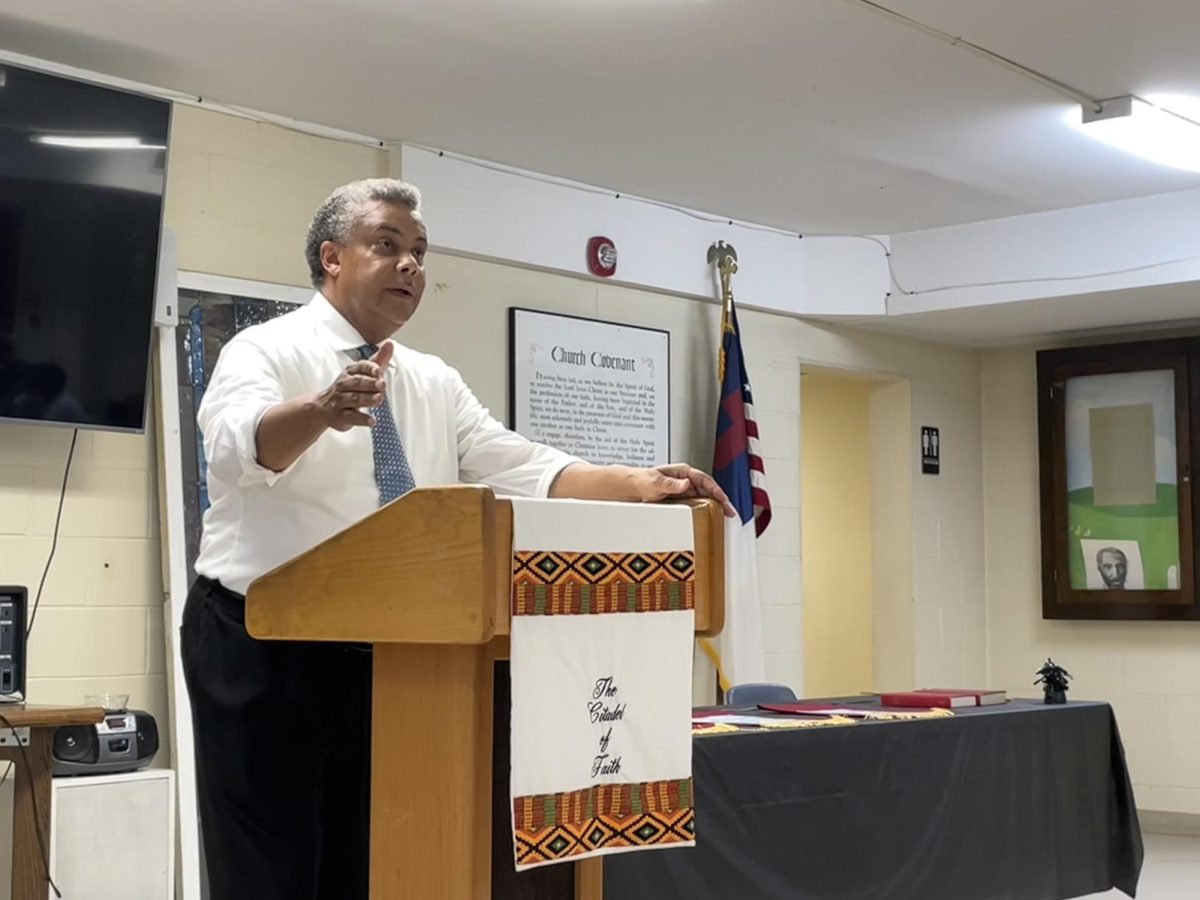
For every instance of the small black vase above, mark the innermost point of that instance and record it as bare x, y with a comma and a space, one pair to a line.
1056, 697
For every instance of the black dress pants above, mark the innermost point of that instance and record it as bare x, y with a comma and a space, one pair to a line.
283, 756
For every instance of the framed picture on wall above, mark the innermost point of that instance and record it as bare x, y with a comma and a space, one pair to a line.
599, 390
1116, 444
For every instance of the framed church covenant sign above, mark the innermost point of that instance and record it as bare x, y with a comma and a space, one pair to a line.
598, 390
1116, 441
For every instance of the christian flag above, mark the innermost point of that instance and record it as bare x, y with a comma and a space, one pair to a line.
738, 468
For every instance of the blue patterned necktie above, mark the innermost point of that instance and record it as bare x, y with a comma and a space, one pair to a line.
392, 472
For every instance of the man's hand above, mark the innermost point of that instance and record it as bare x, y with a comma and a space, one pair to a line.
359, 387
678, 482
289, 428
583, 481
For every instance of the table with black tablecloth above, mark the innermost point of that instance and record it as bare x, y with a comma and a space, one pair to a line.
1016, 802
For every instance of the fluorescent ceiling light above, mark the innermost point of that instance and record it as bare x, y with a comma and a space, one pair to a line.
1166, 132
111, 142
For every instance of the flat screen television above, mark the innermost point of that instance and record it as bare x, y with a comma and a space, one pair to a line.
82, 176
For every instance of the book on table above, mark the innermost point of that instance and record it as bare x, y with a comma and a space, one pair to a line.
982, 697
943, 698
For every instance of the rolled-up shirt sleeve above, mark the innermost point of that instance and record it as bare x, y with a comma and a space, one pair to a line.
489, 453
244, 385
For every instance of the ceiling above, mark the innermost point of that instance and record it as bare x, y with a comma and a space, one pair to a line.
815, 115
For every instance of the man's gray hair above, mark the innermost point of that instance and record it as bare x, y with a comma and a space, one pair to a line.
337, 216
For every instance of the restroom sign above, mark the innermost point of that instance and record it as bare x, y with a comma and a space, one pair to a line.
931, 451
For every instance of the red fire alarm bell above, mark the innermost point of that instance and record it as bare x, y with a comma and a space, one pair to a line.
602, 257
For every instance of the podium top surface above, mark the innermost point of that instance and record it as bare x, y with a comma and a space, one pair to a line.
433, 567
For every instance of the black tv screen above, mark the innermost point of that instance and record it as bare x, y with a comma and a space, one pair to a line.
82, 175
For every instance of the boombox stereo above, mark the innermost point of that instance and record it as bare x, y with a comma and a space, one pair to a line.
124, 741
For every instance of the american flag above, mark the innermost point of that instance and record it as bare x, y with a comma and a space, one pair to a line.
737, 463
738, 654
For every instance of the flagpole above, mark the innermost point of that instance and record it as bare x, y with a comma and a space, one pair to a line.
738, 469
724, 257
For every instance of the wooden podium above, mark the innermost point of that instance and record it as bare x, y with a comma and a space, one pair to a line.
428, 580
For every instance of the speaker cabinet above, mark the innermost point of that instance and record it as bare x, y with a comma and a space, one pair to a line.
113, 836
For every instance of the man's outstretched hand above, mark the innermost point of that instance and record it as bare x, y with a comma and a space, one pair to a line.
359, 387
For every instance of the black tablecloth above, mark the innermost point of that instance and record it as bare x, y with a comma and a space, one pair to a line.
1019, 802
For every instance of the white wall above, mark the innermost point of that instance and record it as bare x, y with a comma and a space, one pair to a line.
1149, 671
100, 624
1122, 245
505, 214
241, 194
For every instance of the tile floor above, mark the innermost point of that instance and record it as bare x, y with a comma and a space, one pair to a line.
1171, 870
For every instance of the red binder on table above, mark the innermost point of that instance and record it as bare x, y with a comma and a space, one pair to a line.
942, 697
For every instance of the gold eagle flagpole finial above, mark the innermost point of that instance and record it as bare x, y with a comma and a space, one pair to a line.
724, 257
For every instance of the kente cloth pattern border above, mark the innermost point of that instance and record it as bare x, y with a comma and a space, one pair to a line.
555, 583
615, 800
603, 818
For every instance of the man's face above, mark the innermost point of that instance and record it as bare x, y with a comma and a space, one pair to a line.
378, 275
1113, 568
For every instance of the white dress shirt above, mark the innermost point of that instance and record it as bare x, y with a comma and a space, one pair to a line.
259, 519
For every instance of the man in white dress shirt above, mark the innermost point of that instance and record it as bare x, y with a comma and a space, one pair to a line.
312, 421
